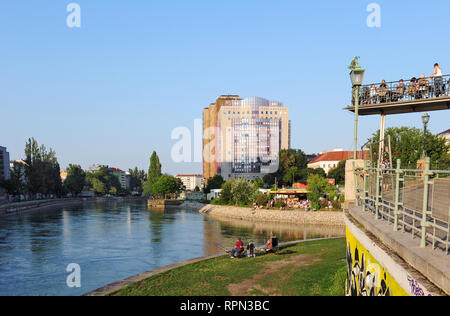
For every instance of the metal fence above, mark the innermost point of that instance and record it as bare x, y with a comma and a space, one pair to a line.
405, 90
413, 201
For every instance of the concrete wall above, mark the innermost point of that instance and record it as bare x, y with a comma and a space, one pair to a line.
375, 270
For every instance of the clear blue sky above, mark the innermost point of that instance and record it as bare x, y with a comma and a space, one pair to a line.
112, 91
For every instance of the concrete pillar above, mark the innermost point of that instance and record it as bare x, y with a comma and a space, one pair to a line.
350, 196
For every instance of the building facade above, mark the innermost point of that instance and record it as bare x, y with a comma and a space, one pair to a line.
248, 136
4, 167
330, 159
446, 135
191, 181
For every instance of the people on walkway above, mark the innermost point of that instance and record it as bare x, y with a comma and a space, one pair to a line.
416, 89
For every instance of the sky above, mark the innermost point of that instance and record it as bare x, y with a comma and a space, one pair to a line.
113, 90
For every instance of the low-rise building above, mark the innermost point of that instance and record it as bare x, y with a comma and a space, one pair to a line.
446, 135
330, 159
191, 181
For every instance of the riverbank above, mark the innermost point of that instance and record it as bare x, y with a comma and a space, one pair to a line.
31, 206
301, 269
333, 218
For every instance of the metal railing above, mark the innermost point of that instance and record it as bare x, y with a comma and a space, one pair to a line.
413, 201
405, 90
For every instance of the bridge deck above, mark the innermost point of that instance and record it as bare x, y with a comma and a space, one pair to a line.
425, 105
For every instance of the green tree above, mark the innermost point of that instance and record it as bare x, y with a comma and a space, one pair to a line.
165, 185
259, 183
16, 184
154, 173
292, 163
318, 187
76, 179
42, 169
137, 179
338, 173
407, 145
214, 183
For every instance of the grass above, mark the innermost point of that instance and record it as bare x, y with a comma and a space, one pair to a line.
315, 268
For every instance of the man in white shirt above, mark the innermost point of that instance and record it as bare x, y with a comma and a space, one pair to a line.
438, 81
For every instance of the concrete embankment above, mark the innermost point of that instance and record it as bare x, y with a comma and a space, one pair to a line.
30, 206
334, 218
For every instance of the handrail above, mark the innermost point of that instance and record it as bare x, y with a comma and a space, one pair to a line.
417, 89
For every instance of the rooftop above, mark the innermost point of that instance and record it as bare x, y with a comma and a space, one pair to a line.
334, 156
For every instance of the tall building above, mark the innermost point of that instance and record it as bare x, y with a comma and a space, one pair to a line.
210, 117
4, 167
243, 137
4, 164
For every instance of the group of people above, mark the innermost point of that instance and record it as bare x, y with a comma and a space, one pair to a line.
238, 249
304, 204
287, 203
418, 88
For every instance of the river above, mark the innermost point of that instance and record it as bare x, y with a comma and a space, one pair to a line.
112, 241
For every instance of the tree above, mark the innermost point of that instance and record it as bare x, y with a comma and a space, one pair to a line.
165, 185
42, 169
137, 179
102, 182
154, 173
318, 187
214, 183
407, 145
76, 179
292, 164
338, 173
239, 192
259, 183
16, 184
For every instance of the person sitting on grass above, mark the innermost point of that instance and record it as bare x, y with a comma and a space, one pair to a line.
238, 249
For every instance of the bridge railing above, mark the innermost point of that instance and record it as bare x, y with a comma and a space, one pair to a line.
413, 201
404, 90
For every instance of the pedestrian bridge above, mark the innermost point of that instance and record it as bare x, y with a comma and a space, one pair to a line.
407, 96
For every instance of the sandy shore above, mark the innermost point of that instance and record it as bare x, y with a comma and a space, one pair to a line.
276, 216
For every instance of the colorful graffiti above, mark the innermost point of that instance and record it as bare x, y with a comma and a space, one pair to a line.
365, 276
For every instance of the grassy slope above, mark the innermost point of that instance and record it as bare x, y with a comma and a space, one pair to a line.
325, 276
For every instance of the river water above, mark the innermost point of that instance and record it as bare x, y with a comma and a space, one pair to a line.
112, 241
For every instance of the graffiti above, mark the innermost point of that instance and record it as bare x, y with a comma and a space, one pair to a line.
416, 290
365, 276
362, 281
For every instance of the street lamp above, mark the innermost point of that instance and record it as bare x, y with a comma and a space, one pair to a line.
357, 77
425, 121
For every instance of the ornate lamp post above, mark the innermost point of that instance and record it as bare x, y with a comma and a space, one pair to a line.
357, 77
425, 121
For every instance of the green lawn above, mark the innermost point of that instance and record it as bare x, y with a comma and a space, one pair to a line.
315, 268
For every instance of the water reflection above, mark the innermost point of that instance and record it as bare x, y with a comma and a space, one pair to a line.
221, 233
112, 241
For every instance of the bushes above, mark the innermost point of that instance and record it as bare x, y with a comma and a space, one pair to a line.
238, 192
262, 199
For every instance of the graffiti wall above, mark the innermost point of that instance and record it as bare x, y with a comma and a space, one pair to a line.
365, 276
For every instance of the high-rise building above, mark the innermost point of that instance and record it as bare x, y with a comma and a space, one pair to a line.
245, 138
4, 167
210, 117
